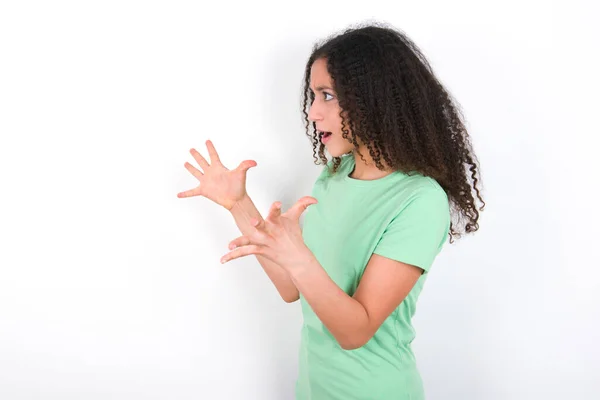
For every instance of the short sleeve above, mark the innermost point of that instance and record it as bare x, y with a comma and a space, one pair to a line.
418, 232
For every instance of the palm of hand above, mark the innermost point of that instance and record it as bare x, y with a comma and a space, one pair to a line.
217, 183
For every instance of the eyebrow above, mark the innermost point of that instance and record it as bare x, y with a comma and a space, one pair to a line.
320, 88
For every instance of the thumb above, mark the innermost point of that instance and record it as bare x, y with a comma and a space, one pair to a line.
246, 165
275, 211
301, 205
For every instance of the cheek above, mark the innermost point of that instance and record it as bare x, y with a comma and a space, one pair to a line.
334, 116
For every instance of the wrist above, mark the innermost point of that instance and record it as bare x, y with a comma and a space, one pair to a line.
241, 204
305, 265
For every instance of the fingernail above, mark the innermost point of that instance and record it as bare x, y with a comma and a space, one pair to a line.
232, 246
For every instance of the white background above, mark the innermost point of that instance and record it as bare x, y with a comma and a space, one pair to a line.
111, 286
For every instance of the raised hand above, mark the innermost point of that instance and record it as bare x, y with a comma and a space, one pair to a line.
217, 183
278, 237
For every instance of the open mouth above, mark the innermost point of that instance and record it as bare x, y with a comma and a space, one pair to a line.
325, 136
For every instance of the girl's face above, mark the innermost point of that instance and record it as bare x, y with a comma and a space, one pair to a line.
325, 111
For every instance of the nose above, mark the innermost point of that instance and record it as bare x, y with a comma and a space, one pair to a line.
314, 114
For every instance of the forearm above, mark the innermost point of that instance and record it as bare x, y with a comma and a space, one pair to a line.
242, 213
344, 317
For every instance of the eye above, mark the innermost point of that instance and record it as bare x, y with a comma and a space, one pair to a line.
327, 94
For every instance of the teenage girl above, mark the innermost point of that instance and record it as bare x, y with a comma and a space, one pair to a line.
402, 179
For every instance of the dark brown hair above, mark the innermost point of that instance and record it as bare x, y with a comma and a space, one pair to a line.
391, 100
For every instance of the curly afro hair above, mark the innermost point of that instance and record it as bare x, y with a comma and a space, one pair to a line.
391, 100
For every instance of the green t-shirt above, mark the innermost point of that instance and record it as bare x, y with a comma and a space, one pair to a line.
400, 216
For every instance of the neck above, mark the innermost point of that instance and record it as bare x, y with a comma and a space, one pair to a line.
367, 171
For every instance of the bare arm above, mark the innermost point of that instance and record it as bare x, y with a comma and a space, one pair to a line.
242, 212
228, 189
354, 320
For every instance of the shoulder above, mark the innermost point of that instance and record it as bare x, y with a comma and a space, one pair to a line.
429, 190
427, 198
423, 209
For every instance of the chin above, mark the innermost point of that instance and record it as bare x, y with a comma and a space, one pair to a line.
337, 152
337, 146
